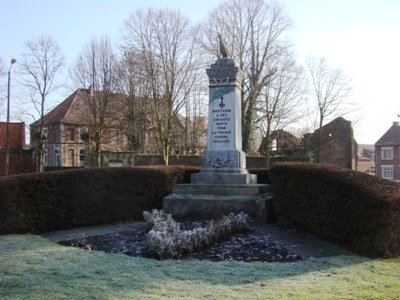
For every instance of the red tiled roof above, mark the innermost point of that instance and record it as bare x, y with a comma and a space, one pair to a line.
60, 113
391, 137
17, 135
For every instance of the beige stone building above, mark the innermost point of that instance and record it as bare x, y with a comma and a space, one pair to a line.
64, 125
63, 128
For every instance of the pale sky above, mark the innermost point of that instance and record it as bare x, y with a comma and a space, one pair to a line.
359, 36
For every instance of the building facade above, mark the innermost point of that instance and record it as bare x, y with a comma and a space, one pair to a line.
387, 154
20, 159
68, 138
63, 129
337, 145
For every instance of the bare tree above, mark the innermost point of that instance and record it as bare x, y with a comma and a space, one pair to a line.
164, 39
254, 30
330, 89
281, 101
133, 83
102, 109
42, 62
195, 121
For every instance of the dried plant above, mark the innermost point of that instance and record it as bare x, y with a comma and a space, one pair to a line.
167, 240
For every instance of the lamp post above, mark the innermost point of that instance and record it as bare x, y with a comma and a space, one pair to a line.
13, 61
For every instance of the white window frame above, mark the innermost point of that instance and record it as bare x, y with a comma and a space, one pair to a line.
383, 149
45, 157
388, 168
57, 157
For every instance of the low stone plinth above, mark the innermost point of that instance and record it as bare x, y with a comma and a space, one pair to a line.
223, 178
211, 201
222, 189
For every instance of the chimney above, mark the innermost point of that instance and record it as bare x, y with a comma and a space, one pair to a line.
396, 124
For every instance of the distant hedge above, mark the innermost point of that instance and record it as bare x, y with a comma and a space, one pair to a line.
81, 197
357, 211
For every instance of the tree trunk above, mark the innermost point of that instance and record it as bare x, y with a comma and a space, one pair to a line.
166, 154
40, 167
248, 134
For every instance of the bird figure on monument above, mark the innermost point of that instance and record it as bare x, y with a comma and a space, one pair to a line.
223, 49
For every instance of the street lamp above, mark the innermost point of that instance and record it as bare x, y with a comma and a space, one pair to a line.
13, 61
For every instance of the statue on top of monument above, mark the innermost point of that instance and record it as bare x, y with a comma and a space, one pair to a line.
223, 48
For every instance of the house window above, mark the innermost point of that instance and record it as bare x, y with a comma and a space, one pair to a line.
45, 158
114, 137
274, 144
57, 157
387, 153
387, 172
80, 131
71, 134
81, 158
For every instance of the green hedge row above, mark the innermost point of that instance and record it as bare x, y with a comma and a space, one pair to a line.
352, 209
81, 197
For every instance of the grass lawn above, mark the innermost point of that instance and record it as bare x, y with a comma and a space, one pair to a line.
32, 267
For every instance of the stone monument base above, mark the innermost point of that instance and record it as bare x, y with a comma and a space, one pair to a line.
212, 201
223, 185
221, 177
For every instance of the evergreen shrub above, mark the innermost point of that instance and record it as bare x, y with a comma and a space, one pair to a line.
355, 210
40, 202
262, 174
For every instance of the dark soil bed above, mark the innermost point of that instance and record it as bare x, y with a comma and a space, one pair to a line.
255, 245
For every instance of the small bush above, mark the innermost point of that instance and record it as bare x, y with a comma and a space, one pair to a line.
355, 210
167, 240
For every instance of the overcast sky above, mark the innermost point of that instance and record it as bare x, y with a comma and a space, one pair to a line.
360, 36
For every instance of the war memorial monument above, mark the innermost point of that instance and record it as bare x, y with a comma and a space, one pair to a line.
223, 184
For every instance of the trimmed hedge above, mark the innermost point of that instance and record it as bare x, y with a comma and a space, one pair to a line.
262, 175
357, 211
66, 199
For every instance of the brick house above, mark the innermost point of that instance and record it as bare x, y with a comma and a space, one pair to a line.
387, 154
20, 159
63, 127
17, 135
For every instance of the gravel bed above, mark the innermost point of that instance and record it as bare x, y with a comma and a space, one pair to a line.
255, 245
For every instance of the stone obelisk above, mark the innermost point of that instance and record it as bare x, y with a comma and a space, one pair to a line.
223, 184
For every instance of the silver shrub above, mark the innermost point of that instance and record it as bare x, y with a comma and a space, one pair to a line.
167, 240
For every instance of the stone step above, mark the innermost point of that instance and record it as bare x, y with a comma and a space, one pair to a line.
207, 207
208, 197
223, 178
222, 189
